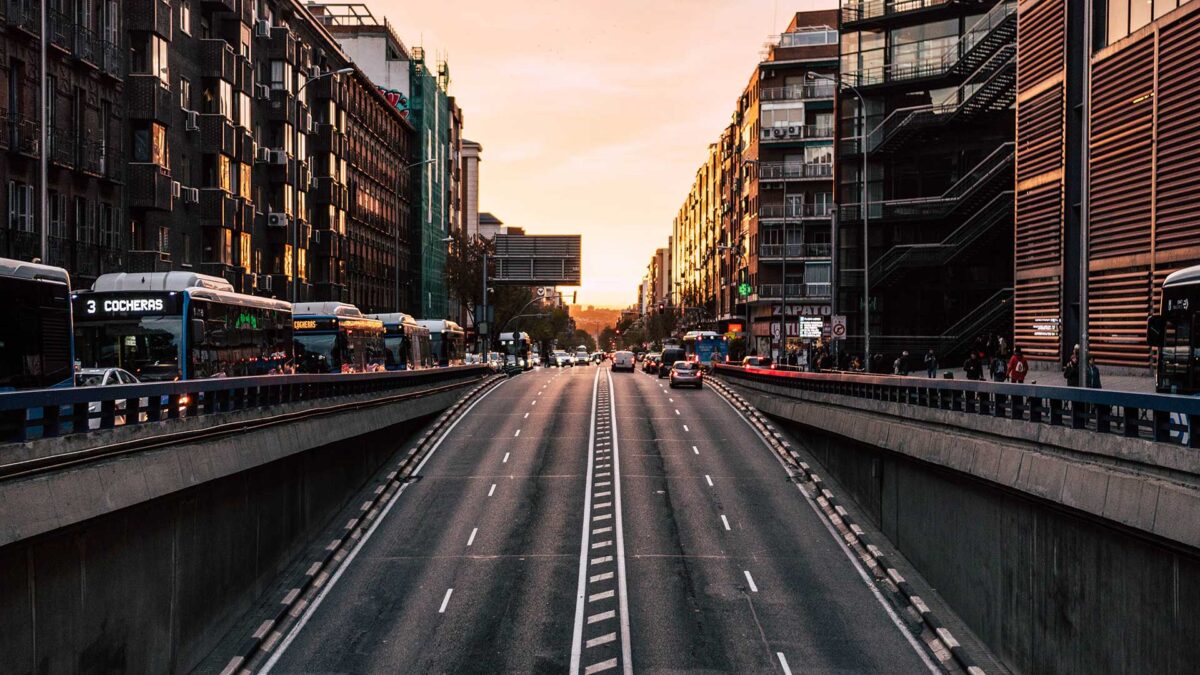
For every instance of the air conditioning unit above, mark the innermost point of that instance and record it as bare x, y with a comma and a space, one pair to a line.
278, 157
262, 29
793, 130
320, 236
193, 120
277, 219
191, 195
779, 132
264, 282
262, 154
262, 92
176, 189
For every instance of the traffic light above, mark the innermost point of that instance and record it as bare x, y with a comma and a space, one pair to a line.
661, 306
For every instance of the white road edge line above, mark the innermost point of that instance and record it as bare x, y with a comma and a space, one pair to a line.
783, 663
581, 585
862, 573
622, 590
312, 607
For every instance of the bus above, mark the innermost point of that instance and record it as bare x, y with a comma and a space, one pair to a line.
448, 340
1173, 334
516, 347
164, 326
406, 341
705, 346
36, 348
335, 337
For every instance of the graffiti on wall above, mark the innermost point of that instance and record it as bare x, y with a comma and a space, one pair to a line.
397, 99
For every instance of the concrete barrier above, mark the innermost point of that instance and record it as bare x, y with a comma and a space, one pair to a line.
1065, 551
141, 562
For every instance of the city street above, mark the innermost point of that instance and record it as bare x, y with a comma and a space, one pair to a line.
595, 521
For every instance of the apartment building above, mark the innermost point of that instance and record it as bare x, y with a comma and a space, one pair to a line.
936, 155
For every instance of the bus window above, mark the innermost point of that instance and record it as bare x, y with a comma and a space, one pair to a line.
148, 347
1176, 354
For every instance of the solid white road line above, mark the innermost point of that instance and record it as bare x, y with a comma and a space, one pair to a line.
724, 521
492, 490
750, 580
858, 566
581, 586
312, 607
471, 539
783, 663
622, 587
445, 601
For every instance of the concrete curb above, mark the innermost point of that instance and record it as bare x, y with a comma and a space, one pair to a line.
268, 634
832, 509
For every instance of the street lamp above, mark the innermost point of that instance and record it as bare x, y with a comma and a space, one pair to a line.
862, 133
407, 167
295, 261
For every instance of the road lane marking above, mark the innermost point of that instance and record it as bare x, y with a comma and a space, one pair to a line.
312, 606
783, 663
446, 600
695, 450
602, 616
517, 434
709, 479
492, 490
505, 458
725, 521
685, 428
526, 416
601, 530
600, 577
602, 666
750, 580
603, 595
603, 639
677, 411
471, 539
622, 585
584, 560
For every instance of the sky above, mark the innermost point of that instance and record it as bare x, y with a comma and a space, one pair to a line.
593, 116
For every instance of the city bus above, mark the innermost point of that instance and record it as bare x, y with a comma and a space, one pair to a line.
335, 337
406, 341
1173, 334
36, 348
448, 340
704, 346
516, 348
165, 326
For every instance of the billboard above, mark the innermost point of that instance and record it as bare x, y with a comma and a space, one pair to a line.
538, 260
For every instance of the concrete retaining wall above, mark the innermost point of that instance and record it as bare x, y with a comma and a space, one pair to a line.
141, 563
1059, 564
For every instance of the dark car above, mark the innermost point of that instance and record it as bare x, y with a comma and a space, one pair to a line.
686, 374
650, 362
668, 358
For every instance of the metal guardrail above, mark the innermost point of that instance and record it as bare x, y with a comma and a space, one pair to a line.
1165, 418
49, 413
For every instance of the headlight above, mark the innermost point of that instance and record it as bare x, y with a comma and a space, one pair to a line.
520, 362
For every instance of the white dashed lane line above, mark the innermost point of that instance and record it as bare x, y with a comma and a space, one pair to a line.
505, 461
492, 491
724, 521
474, 531
695, 450
517, 434
445, 601
709, 479
750, 580
783, 663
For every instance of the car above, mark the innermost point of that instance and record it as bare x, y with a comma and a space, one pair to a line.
582, 358
650, 362
686, 374
756, 362
535, 359
561, 359
623, 360
107, 377
668, 358
638, 356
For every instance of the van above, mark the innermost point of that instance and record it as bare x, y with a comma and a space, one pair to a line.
669, 356
623, 360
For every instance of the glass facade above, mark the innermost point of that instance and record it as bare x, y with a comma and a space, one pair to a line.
1122, 17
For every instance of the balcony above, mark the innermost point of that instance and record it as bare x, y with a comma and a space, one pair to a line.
795, 132
149, 187
25, 16
19, 245
245, 215
245, 76
64, 147
217, 134
61, 30
152, 16
778, 171
218, 208
799, 92
150, 100
91, 157
91, 261
282, 45
111, 63
23, 134
112, 163
822, 291
217, 59
801, 251
794, 211
327, 139
149, 261
876, 10
328, 191
282, 107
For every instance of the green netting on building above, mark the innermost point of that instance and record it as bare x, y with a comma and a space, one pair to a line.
430, 114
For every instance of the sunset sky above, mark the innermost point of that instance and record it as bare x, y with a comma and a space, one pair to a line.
593, 116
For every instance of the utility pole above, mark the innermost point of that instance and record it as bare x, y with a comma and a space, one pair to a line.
44, 143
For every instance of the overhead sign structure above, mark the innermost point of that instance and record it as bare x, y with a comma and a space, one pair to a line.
538, 260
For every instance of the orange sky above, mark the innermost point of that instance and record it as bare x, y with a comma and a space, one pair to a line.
594, 116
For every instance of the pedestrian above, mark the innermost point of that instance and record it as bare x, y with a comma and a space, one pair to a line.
1071, 370
1017, 367
1003, 353
1093, 374
877, 364
931, 364
972, 367
999, 369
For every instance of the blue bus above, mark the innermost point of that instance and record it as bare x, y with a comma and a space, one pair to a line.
165, 326
449, 342
406, 342
703, 346
36, 349
335, 337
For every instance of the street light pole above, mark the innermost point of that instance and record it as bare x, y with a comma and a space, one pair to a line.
863, 207
295, 261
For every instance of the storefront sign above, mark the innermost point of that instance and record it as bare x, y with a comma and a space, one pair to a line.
805, 310
1046, 326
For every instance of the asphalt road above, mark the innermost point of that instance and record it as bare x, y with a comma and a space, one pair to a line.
568, 525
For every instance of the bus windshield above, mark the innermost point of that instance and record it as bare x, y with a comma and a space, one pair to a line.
35, 337
148, 346
317, 353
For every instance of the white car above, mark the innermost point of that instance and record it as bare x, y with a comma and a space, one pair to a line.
106, 377
561, 359
624, 360
582, 358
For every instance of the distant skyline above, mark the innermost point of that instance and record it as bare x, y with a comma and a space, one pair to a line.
593, 117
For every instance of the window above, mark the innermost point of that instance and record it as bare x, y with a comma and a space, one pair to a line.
20, 206
244, 250
149, 57
186, 246
110, 236
218, 99
164, 239
85, 229
244, 180
241, 111
185, 18
280, 75
218, 172
185, 93
58, 215
150, 145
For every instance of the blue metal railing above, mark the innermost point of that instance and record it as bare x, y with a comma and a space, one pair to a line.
1165, 418
47, 413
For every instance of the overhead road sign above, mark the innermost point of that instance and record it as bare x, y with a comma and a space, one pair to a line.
538, 260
